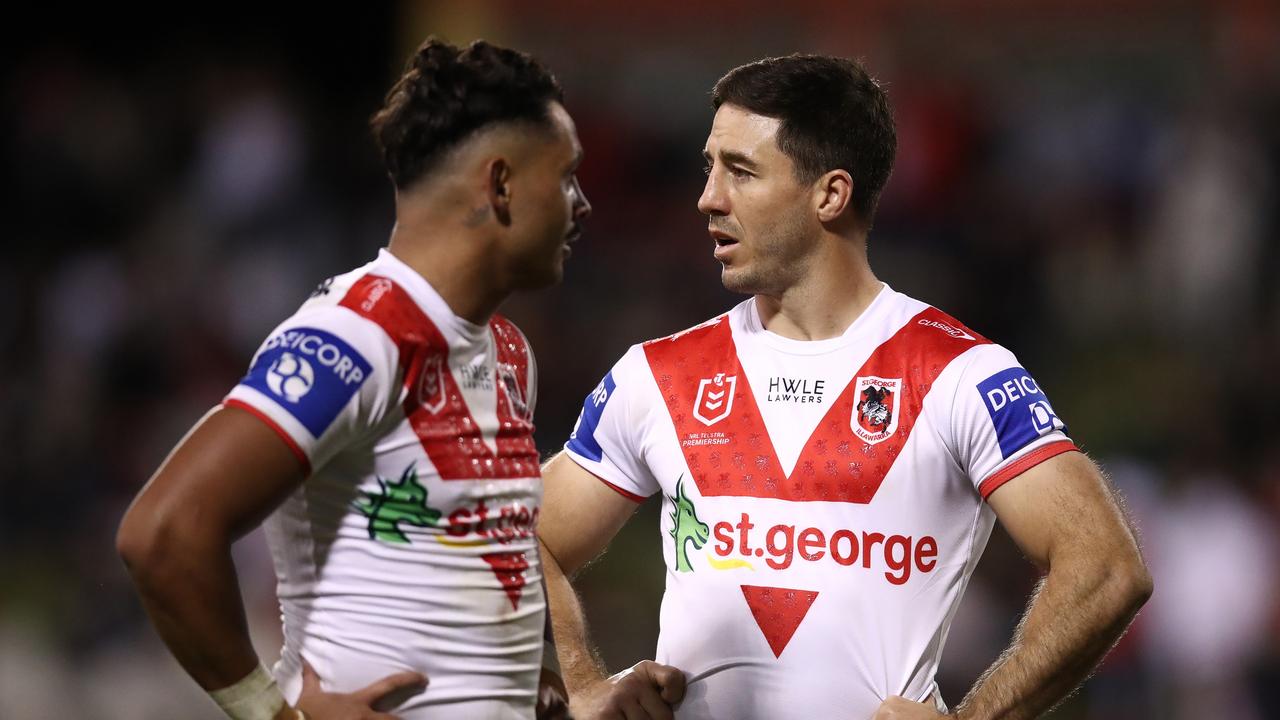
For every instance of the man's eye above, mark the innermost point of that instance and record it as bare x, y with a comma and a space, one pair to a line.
706, 169
739, 173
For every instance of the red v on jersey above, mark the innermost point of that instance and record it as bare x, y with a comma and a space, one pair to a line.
509, 568
778, 612
433, 403
851, 450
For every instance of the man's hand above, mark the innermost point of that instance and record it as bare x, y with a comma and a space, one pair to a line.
321, 705
645, 691
900, 708
553, 699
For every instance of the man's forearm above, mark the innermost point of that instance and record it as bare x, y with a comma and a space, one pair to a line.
191, 594
1075, 616
579, 663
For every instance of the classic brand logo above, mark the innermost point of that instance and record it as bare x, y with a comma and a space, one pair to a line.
875, 412
715, 398
947, 328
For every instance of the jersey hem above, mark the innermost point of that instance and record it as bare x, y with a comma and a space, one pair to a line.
288, 439
1023, 464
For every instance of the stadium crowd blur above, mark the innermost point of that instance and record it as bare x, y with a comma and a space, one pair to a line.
1093, 184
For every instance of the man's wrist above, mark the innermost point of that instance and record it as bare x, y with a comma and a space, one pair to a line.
256, 696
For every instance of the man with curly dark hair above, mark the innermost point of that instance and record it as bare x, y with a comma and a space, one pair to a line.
384, 433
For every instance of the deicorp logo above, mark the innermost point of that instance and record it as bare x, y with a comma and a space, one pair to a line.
311, 373
1018, 408
583, 439
290, 377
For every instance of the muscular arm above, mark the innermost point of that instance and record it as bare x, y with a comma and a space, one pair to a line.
1063, 516
221, 480
580, 515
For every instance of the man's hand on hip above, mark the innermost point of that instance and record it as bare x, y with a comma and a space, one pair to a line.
900, 708
645, 691
321, 705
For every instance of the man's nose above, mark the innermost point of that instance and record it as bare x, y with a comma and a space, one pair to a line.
713, 200
581, 206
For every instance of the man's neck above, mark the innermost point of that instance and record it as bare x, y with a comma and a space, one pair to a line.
454, 265
835, 293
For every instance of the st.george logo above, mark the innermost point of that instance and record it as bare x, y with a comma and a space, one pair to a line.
685, 527
715, 398
875, 411
290, 377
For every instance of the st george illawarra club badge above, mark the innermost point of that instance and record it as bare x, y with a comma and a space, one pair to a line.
514, 391
875, 409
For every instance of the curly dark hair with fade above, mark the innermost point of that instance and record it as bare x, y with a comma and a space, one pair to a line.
447, 93
833, 116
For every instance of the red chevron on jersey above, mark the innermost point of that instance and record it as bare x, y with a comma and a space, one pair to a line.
509, 568
853, 447
433, 402
778, 612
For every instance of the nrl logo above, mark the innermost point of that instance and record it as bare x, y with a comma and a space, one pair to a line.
431, 394
715, 398
875, 415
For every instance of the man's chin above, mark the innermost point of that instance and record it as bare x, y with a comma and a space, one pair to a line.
735, 280
544, 278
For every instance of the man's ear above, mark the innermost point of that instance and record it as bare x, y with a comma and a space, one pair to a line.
499, 187
833, 195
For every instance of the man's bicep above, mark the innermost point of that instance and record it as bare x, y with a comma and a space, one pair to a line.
580, 513
227, 475
1062, 505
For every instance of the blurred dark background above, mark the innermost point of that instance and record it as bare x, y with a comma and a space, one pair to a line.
1092, 184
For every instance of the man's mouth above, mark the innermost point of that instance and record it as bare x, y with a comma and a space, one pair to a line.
722, 238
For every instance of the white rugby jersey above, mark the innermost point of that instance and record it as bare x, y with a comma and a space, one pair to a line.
411, 544
823, 501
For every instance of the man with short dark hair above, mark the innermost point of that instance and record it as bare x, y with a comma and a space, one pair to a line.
833, 455
385, 434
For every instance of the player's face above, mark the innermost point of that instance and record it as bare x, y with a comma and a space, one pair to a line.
759, 215
548, 205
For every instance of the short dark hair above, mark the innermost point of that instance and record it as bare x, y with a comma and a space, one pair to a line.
447, 93
833, 115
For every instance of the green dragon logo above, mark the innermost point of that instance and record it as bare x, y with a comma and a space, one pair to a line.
685, 527
402, 501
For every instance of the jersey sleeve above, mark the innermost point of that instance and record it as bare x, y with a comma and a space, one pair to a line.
1001, 421
531, 387
607, 439
321, 380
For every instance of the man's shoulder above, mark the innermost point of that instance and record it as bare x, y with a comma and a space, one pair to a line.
508, 333
359, 310
692, 336
915, 314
